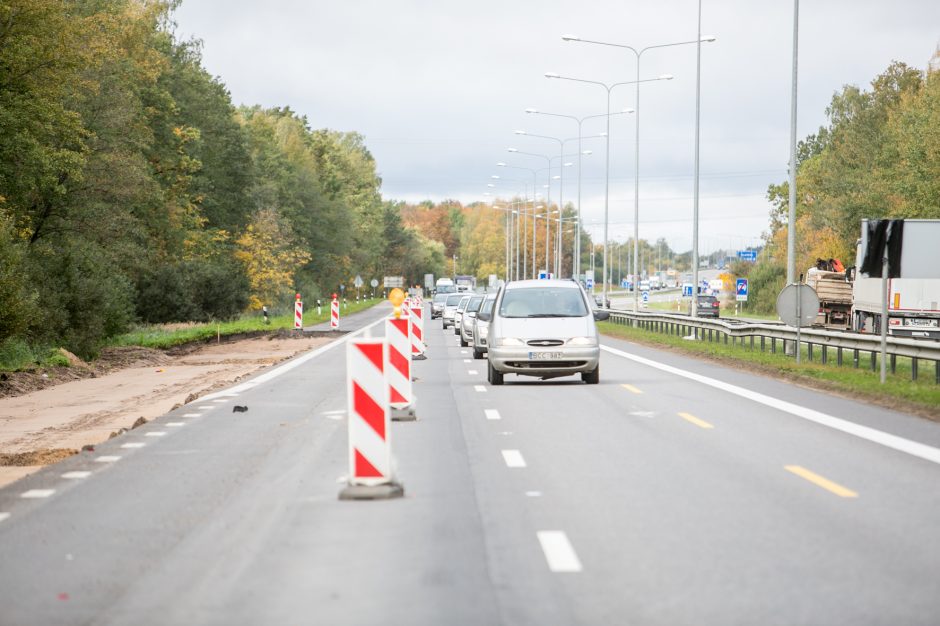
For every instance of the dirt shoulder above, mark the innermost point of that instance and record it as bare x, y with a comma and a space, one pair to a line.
45, 416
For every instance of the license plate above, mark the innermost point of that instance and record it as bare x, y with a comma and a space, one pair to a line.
921, 322
544, 356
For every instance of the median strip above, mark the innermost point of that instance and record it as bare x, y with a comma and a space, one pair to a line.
825, 483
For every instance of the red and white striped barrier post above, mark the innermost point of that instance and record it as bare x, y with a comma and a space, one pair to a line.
401, 395
370, 450
298, 313
418, 347
334, 313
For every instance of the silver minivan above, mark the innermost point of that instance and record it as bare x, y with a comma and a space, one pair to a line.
450, 307
543, 328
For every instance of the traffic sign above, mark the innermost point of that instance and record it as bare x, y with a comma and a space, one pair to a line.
589, 282
358, 281
741, 289
374, 282
798, 305
623, 283
646, 297
747, 255
687, 290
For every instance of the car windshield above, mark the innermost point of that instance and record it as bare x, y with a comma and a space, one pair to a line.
462, 305
454, 300
487, 306
441, 297
474, 304
543, 302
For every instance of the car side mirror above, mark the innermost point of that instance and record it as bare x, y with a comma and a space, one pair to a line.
600, 315
484, 317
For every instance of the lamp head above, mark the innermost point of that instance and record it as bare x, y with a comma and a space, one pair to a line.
494, 176
500, 164
709, 38
628, 110
531, 110
551, 75
570, 38
512, 150
666, 77
519, 132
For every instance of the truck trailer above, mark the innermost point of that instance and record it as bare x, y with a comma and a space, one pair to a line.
913, 297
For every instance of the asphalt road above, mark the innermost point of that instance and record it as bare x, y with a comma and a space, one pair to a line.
675, 492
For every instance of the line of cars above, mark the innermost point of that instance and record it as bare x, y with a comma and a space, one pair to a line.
540, 328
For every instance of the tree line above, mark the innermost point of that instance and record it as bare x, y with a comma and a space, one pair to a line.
132, 189
877, 157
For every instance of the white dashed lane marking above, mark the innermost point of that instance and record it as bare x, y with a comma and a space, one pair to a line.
156, 433
107, 459
176, 424
558, 551
133, 444
4, 516
76, 475
492, 414
37, 493
192, 414
472, 372
480, 388
513, 458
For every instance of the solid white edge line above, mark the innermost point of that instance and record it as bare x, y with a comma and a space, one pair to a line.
913, 448
492, 414
292, 364
558, 551
513, 458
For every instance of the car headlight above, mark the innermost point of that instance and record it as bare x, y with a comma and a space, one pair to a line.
582, 341
483, 330
509, 341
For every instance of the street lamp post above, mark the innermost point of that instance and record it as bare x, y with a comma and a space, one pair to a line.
523, 225
548, 200
609, 88
576, 264
636, 185
525, 184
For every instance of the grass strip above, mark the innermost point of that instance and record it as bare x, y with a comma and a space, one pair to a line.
898, 392
168, 336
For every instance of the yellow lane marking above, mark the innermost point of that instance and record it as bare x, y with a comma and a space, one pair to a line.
818, 480
698, 422
631, 388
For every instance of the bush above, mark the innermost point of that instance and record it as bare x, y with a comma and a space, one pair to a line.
18, 300
193, 291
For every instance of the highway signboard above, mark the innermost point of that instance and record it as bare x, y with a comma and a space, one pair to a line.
747, 255
740, 289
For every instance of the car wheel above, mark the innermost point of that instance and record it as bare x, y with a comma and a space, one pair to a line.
477, 354
463, 344
592, 377
494, 377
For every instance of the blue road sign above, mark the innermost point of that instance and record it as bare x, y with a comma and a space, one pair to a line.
747, 255
741, 289
589, 282
687, 291
646, 297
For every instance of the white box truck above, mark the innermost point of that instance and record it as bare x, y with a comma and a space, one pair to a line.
913, 297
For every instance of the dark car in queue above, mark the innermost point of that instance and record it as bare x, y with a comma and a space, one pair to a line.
708, 306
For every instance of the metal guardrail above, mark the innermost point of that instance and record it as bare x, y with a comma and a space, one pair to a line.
812, 338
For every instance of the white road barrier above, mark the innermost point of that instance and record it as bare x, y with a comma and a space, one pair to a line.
401, 395
370, 450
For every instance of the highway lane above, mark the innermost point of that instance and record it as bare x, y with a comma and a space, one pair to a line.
530, 503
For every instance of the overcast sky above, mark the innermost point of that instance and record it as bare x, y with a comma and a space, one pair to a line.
438, 87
